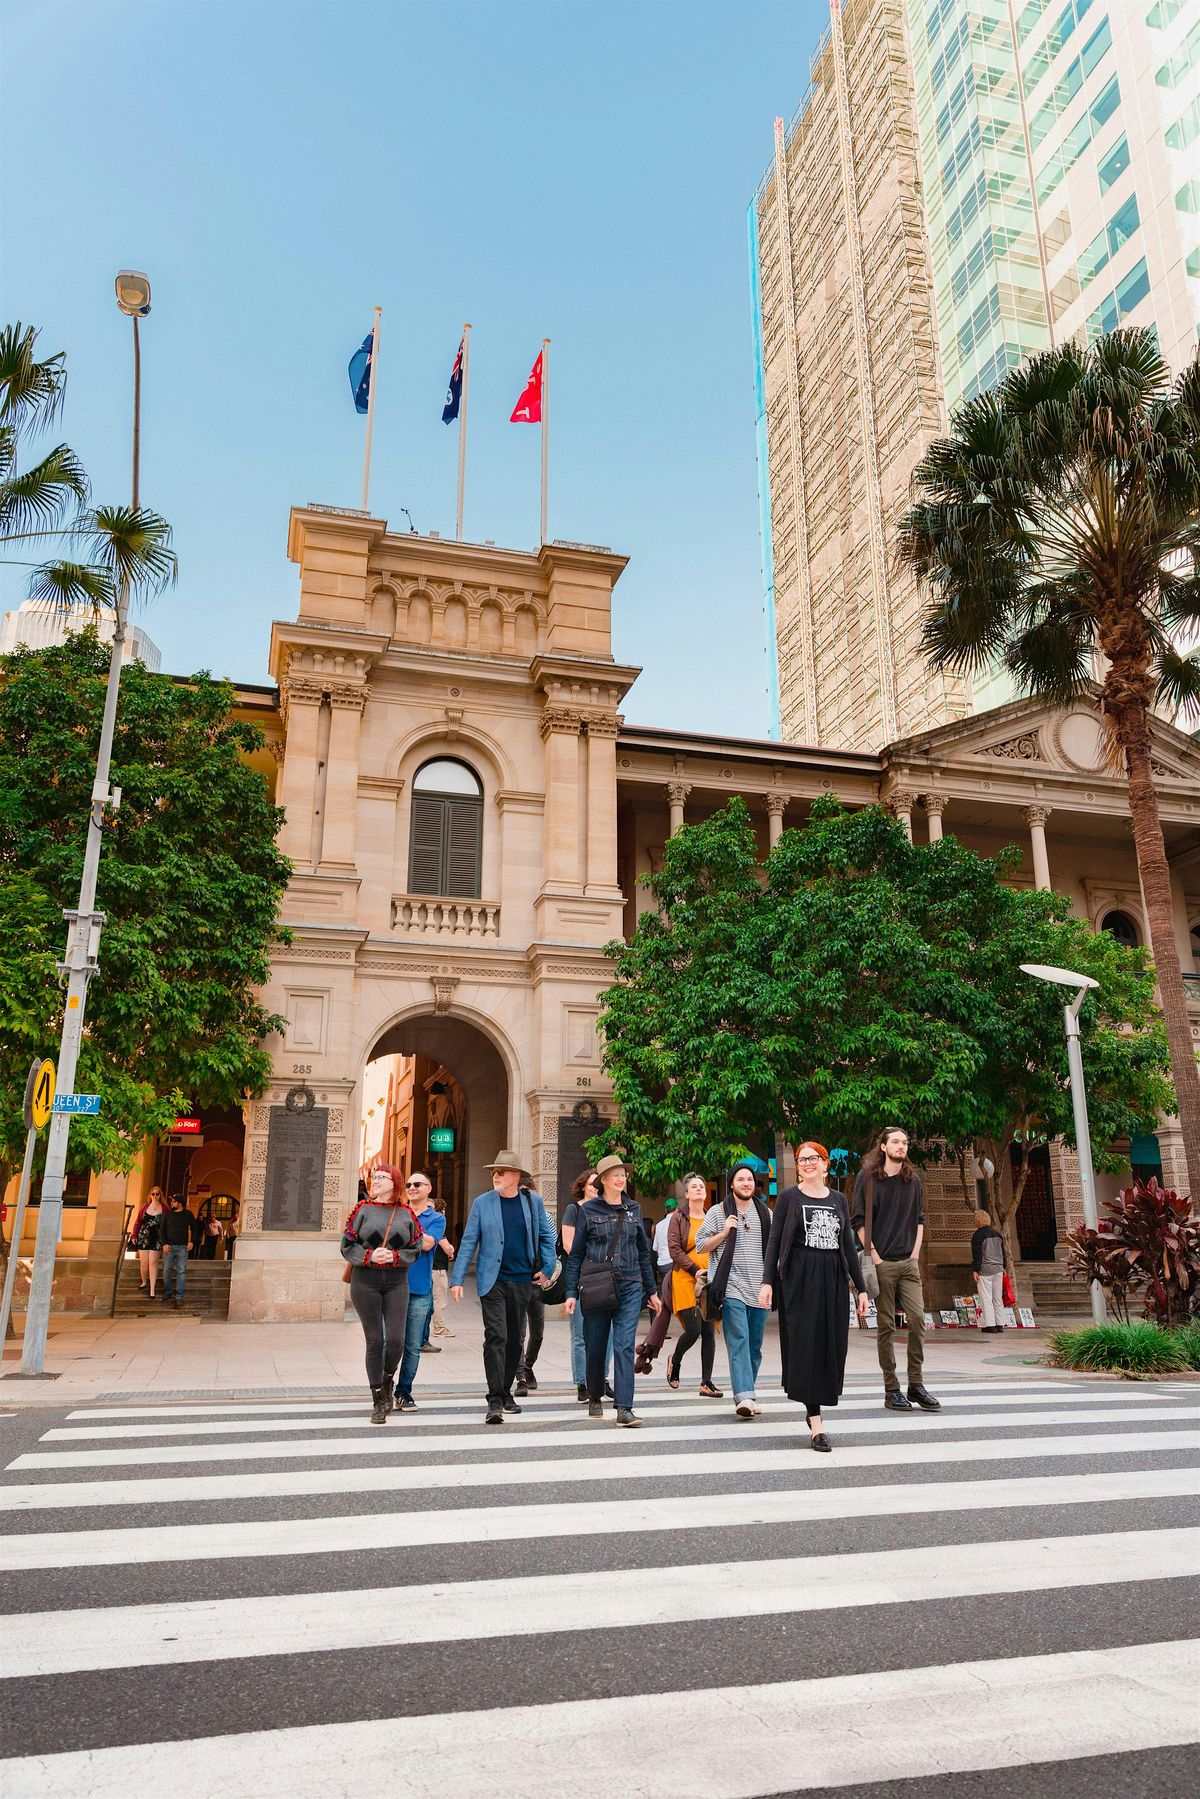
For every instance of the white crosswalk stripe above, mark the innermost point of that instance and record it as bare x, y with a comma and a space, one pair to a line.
536, 1563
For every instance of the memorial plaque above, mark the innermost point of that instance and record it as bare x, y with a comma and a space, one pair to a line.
573, 1132
295, 1183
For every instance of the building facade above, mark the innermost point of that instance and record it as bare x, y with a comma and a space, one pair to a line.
468, 816
848, 392
966, 182
36, 625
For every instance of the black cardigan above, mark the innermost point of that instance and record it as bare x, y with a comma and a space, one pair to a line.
785, 1224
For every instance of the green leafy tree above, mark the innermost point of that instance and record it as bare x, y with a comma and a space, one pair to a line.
1058, 527
857, 980
190, 880
47, 501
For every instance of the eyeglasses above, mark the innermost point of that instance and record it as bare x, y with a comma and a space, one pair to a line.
416, 1183
802, 1161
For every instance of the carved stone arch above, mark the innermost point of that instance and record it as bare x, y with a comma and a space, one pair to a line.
419, 625
419, 1011
467, 743
382, 613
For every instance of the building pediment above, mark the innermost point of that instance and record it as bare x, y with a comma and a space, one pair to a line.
1031, 735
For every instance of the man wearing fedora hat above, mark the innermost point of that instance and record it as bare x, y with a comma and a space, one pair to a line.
510, 1237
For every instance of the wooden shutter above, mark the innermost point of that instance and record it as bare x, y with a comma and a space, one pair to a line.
426, 825
464, 843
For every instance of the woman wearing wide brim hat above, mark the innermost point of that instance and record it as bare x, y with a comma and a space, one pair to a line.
509, 1236
611, 1270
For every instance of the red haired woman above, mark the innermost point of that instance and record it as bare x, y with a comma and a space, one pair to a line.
809, 1266
381, 1239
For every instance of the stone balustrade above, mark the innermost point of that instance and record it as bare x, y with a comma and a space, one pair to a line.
423, 915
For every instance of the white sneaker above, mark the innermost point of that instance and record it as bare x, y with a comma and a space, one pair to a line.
745, 1409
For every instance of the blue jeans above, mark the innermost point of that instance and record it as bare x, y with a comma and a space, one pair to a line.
579, 1353
623, 1325
743, 1326
174, 1264
420, 1310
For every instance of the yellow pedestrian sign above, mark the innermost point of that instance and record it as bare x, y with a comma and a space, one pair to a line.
39, 1095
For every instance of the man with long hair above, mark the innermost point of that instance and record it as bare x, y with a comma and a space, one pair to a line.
888, 1215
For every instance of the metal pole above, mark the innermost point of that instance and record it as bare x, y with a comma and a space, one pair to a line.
545, 429
462, 429
1083, 1141
137, 408
82, 956
14, 1248
371, 406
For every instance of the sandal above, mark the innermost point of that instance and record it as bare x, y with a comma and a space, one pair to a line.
672, 1378
708, 1391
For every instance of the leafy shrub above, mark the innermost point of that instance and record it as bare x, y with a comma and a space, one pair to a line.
1188, 1339
1148, 1243
1139, 1348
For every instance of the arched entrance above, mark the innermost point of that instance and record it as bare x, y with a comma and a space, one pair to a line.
435, 1095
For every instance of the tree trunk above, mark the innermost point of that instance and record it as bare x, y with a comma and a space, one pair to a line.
1132, 725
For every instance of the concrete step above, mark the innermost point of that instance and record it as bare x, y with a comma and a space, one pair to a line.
205, 1292
1056, 1295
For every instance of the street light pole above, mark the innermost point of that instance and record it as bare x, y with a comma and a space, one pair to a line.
1083, 1140
84, 923
1065, 977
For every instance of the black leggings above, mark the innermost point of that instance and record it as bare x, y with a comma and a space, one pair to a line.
380, 1297
694, 1326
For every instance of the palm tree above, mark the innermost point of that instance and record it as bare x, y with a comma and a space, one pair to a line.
1058, 528
48, 501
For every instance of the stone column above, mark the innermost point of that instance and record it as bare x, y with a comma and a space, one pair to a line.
301, 704
677, 793
776, 807
935, 805
1035, 818
560, 730
602, 802
902, 800
339, 844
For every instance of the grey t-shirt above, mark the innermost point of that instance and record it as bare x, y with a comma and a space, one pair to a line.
745, 1276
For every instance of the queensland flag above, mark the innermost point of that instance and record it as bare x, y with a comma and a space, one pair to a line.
360, 372
454, 391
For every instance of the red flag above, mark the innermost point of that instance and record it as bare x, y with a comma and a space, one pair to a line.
528, 409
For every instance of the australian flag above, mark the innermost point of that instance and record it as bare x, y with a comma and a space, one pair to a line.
454, 391
360, 372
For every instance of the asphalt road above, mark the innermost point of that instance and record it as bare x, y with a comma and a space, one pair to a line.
227, 1599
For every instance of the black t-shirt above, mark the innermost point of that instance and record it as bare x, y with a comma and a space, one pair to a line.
177, 1228
898, 1209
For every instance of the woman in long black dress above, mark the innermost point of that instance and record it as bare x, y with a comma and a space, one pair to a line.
809, 1265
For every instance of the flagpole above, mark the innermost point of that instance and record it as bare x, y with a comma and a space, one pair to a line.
545, 428
462, 428
371, 406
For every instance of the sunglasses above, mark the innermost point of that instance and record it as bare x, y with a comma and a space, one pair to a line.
416, 1183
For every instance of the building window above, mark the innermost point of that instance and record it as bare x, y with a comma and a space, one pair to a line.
1114, 164
1120, 926
446, 830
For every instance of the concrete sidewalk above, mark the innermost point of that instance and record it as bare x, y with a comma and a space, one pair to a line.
175, 1356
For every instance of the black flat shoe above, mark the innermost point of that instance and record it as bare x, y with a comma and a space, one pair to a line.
921, 1396
894, 1401
820, 1442
510, 1404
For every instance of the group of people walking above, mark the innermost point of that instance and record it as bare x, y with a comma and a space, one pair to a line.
730, 1264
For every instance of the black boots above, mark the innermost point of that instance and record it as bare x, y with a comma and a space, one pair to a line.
379, 1404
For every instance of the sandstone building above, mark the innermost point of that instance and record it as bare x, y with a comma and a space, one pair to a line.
468, 813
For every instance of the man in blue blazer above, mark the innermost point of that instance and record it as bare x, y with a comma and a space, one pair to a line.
510, 1232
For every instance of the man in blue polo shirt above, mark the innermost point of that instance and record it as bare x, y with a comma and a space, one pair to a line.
417, 1190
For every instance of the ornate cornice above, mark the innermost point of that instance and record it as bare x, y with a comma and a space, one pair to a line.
563, 721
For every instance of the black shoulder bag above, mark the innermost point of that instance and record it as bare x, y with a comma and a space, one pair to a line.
599, 1294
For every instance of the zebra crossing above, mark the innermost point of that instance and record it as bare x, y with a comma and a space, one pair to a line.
281, 1599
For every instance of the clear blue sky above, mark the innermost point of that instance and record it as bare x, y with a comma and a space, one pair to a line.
577, 170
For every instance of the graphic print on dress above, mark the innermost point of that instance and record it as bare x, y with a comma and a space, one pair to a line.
822, 1227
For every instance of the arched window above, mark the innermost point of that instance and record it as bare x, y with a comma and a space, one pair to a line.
446, 830
1122, 927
